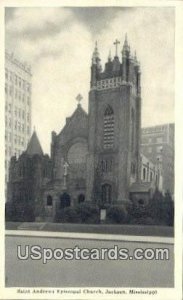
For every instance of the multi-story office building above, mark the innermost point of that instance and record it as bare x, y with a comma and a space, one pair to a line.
17, 108
157, 144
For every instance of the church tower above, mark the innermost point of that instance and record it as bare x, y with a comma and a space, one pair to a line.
113, 162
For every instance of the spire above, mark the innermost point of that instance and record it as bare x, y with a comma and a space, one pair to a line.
96, 56
34, 146
109, 56
126, 40
126, 47
135, 56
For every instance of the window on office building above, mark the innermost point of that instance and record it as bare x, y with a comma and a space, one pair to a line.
11, 90
6, 73
159, 149
20, 82
6, 88
9, 107
159, 140
149, 150
16, 79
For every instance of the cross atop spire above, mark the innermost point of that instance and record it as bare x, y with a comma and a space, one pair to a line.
116, 43
79, 98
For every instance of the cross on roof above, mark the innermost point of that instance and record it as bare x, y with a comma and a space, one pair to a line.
79, 98
116, 44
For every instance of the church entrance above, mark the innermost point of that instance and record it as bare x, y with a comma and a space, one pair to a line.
106, 193
65, 200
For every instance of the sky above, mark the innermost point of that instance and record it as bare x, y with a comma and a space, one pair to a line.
58, 44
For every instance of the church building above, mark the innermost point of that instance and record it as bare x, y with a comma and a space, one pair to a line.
96, 156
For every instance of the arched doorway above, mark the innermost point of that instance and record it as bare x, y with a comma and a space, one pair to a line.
81, 198
65, 200
106, 193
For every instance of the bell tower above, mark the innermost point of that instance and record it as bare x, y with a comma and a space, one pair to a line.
113, 162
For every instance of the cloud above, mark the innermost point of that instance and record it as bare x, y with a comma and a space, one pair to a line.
37, 19
58, 79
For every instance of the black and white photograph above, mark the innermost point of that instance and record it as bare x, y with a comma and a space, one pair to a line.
89, 151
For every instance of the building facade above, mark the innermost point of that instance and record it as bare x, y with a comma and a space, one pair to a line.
17, 108
28, 174
158, 145
96, 156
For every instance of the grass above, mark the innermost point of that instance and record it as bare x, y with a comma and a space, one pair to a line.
140, 230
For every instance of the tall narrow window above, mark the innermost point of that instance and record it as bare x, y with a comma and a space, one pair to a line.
108, 128
144, 174
132, 129
106, 193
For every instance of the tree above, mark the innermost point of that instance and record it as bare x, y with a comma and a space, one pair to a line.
156, 206
168, 209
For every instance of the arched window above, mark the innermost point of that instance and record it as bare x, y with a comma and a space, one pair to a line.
106, 193
108, 127
144, 174
49, 200
132, 168
77, 153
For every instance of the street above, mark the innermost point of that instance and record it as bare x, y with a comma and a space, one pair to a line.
82, 273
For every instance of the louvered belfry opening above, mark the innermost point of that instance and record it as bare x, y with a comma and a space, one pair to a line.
108, 127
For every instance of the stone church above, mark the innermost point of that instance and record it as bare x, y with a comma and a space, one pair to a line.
96, 156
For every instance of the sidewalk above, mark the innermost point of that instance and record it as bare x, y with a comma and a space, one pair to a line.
91, 236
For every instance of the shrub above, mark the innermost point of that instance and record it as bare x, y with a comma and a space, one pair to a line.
161, 208
8, 211
168, 210
88, 213
116, 215
20, 211
67, 215
156, 206
83, 213
138, 210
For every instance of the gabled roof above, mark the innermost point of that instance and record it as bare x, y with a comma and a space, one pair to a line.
34, 146
78, 112
76, 123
